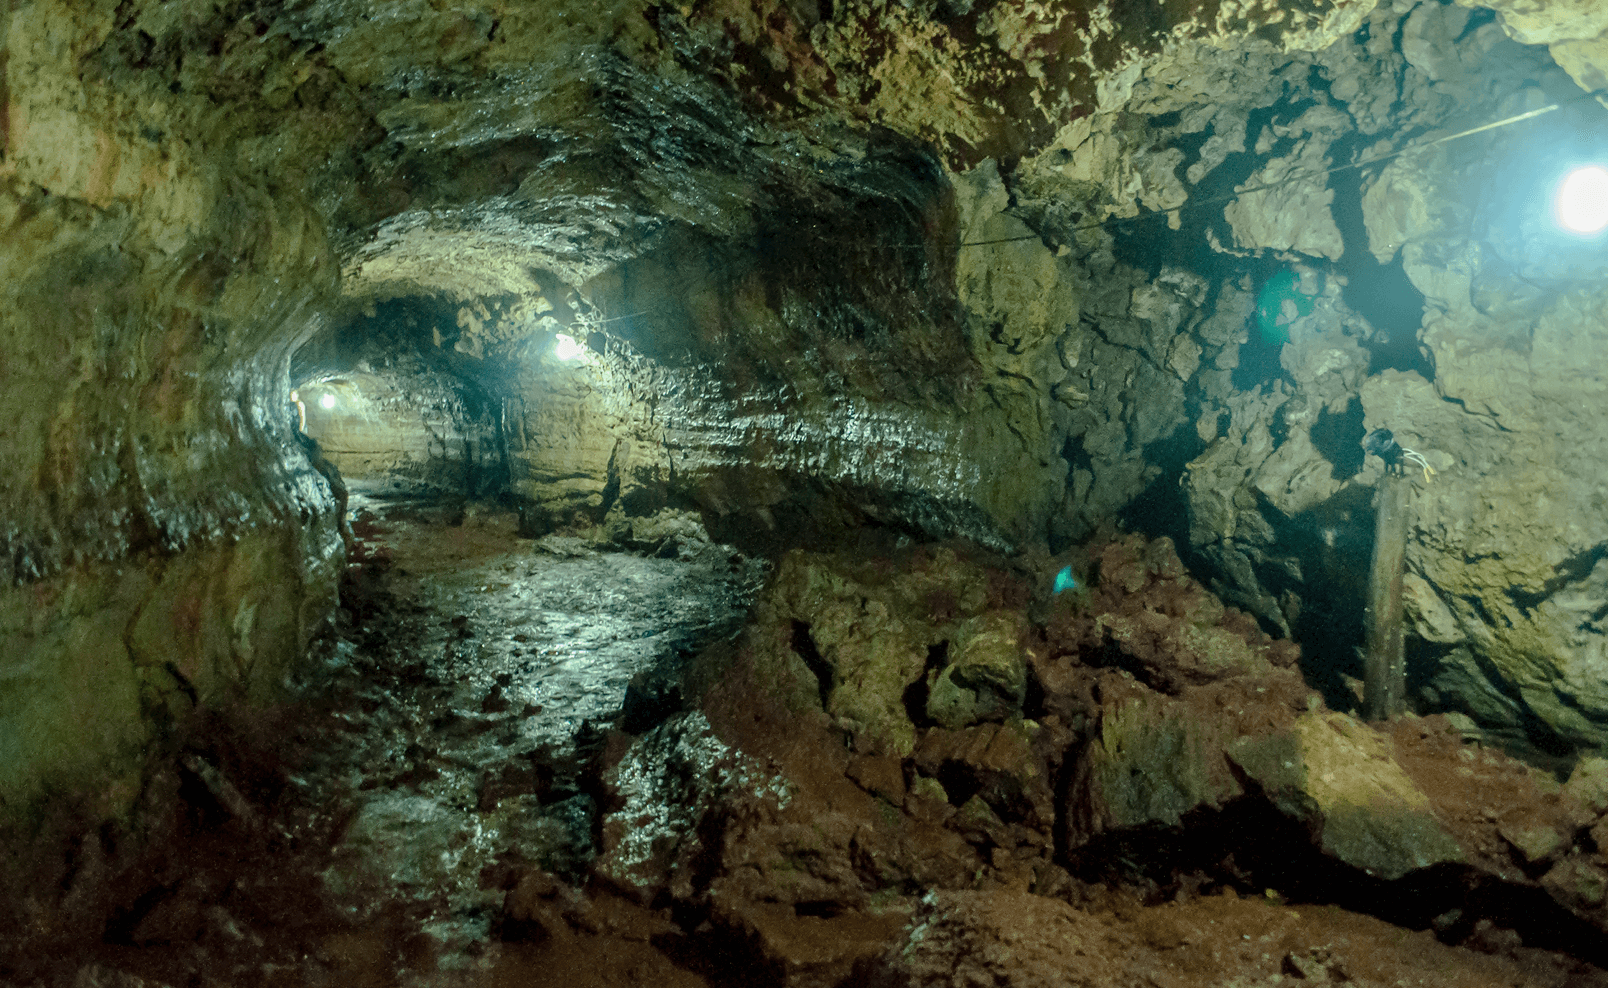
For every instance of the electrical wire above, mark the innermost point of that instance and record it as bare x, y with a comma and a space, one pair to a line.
592, 325
1306, 176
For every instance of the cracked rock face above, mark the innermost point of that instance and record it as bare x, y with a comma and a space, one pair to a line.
1012, 271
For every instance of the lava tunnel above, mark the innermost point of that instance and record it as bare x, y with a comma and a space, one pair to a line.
783, 493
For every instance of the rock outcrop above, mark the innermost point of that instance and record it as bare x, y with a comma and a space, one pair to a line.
931, 269
823, 788
165, 544
1506, 542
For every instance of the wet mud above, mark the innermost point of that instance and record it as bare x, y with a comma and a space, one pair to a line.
368, 832
533, 762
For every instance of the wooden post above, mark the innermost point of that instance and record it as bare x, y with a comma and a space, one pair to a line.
1385, 665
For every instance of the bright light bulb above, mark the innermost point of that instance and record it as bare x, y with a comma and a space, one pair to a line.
565, 347
328, 401
1582, 202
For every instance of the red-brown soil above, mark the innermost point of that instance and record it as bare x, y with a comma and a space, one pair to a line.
867, 875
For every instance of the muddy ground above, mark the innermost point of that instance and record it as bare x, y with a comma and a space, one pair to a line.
500, 772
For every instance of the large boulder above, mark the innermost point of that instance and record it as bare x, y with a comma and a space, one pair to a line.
1337, 776
864, 632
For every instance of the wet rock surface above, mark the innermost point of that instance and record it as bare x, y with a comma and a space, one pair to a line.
511, 765
953, 270
437, 755
831, 274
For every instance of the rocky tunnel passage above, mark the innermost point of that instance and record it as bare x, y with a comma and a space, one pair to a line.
1016, 279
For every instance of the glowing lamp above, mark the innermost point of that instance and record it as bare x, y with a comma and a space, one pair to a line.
565, 347
328, 401
1581, 204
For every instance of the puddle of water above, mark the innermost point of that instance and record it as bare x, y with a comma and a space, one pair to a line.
489, 661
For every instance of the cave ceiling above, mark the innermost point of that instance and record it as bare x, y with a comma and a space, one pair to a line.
1008, 270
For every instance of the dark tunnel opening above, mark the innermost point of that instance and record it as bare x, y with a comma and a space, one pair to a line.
397, 404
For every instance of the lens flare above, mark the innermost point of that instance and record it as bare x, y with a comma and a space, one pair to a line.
1582, 202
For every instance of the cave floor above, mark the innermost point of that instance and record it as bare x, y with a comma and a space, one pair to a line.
434, 768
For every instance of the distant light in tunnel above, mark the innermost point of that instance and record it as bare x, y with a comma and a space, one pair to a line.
565, 348
328, 401
1582, 201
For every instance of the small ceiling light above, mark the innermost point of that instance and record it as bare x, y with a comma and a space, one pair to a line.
565, 347
328, 401
1582, 201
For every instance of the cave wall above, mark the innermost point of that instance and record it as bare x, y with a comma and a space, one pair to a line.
399, 432
174, 183
1424, 294
165, 544
1501, 586
1509, 541
760, 398
815, 291
392, 410
792, 353
755, 204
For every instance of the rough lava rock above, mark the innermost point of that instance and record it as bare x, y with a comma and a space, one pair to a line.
1156, 712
